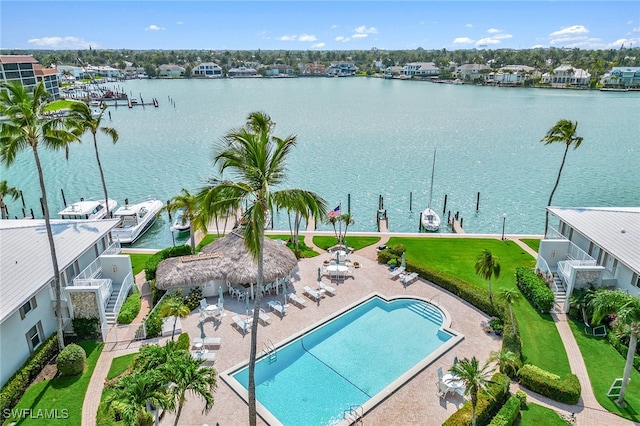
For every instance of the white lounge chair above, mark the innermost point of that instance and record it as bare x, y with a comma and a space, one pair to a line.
409, 278
277, 307
208, 341
241, 324
204, 355
327, 288
263, 317
297, 300
396, 272
313, 294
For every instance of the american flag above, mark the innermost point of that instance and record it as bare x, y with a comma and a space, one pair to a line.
334, 213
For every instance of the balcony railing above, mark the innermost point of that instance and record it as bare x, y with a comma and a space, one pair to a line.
124, 291
554, 234
114, 248
90, 272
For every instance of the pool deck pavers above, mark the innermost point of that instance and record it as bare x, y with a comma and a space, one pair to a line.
415, 403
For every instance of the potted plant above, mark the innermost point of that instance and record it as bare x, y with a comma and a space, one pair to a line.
356, 264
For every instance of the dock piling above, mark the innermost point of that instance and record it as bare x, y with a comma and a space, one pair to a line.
478, 202
64, 201
410, 201
444, 209
349, 203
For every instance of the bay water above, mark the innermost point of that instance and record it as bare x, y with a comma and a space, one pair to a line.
363, 137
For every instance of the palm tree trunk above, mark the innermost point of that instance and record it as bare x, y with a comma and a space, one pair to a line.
173, 332
178, 412
474, 401
254, 338
192, 236
3, 209
546, 219
296, 234
490, 293
104, 185
52, 248
633, 343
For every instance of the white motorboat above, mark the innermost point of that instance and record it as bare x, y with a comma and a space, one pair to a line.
92, 209
135, 219
429, 218
181, 223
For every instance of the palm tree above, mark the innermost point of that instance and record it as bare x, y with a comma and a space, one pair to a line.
81, 116
185, 200
487, 266
627, 310
27, 126
563, 131
256, 159
511, 297
475, 379
153, 356
175, 307
7, 191
347, 220
304, 205
333, 220
507, 361
132, 394
187, 375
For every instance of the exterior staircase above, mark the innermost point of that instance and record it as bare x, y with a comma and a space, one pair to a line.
110, 314
560, 292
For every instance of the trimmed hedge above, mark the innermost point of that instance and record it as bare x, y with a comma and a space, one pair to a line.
15, 387
508, 413
184, 342
487, 406
565, 389
522, 396
72, 360
534, 289
152, 264
130, 309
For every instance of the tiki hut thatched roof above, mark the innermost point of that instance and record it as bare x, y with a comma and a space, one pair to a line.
225, 259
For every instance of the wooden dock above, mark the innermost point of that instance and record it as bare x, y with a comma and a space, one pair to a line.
456, 226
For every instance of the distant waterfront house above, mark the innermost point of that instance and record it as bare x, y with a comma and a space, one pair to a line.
470, 71
315, 69
170, 70
342, 69
279, 70
421, 69
597, 246
95, 280
623, 77
242, 72
105, 71
394, 70
22, 68
511, 74
50, 78
565, 76
71, 70
208, 69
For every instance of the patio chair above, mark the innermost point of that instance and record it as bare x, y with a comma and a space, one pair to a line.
241, 324
263, 317
277, 307
297, 300
327, 288
204, 356
408, 279
597, 331
444, 389
396, 272
313, 294
208, 341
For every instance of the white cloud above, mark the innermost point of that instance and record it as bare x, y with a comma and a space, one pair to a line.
362, 29
462, 40
154, 27
502, 36
333, 27
62, 42
487, 40
468, 25
318, 45
342, 39
288, 38
636, 30
179, 22
629, 22
539, 46
307, 37
626, 41
359, 35
493, 31
572, 30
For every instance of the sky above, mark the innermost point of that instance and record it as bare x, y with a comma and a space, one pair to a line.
318, 25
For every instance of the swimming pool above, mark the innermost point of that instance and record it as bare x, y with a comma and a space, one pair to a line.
354, 359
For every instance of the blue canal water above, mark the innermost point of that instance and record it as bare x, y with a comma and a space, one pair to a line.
365, 137
315, 378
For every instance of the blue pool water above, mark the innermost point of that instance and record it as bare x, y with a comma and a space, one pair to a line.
347, 360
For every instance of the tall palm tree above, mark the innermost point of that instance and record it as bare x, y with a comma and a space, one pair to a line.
487, 266
83, 118
175, 307
475, 379
185, 200
564, 131
7, 191
627, 310
188, 375
28, 126
256, 160
511, 297
507, 361
304, 205
347, 219
132, 394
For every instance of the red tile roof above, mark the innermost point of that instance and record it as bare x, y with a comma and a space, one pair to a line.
17, 59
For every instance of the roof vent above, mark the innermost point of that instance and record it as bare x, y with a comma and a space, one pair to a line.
623, 230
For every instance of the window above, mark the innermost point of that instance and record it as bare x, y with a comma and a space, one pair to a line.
636, 280
34, 336
28, 307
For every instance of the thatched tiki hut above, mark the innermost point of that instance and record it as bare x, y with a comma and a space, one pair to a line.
225, 260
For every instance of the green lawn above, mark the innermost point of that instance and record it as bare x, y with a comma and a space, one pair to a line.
119, 365
457, 257
208, 239
61, 393
138, 260
535, 415
306, 250
534, 243
604, 364
355, 242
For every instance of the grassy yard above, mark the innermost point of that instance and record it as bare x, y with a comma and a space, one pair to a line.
119, 365
457, 257
534, 243
306, 250
61, 393
604, 364
355, 242
138, 260
535, 415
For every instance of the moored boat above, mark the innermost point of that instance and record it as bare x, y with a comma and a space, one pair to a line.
90, 209
429, 218
181, 223
135, 220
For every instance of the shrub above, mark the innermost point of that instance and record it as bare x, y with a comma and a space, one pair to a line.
152, 264
183, 343
534, 289
508, 413
623, 349
72, 360
522, 396
153, 324
156, 293
130, 309
192, 300
86, 328
13, 390
398, 249
487, 406
384, 256
565, 389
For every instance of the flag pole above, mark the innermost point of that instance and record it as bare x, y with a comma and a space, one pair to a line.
340, 222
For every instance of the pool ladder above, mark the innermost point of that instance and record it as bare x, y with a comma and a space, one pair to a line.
354, 414
270, 351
